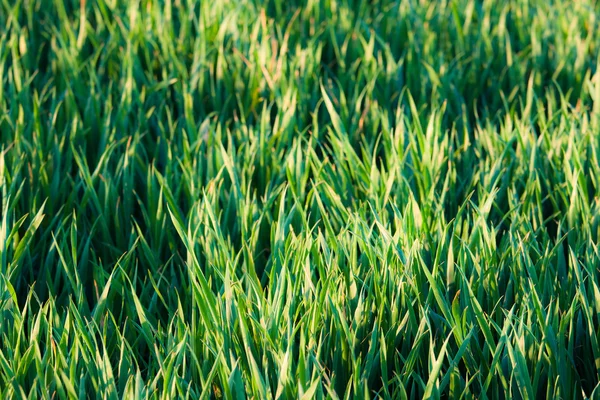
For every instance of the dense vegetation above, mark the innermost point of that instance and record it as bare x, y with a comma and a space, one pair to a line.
283, 199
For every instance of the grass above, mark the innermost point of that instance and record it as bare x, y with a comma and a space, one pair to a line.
281, 199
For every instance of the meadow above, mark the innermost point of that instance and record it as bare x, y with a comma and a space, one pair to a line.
320, 199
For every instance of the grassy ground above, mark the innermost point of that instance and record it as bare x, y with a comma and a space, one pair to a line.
281, 199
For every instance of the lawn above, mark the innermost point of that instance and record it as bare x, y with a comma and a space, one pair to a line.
320, 199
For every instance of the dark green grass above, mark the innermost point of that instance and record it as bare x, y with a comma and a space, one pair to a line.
320, 199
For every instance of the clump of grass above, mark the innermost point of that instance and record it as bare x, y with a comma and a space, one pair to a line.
332, 199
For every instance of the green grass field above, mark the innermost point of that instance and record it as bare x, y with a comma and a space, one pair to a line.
282, 199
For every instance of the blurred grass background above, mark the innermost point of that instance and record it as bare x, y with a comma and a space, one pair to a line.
317, 199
